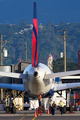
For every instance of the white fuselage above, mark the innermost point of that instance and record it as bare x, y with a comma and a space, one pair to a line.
36, 83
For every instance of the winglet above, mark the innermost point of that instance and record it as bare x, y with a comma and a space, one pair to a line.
35, 38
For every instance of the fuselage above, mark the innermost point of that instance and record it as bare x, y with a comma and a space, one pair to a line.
36, 83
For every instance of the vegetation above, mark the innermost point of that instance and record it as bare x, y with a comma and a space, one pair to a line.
58, 65
49, 42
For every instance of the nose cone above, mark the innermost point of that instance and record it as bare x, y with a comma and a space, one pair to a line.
35, 73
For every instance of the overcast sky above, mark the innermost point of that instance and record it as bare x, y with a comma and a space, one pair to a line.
13, 11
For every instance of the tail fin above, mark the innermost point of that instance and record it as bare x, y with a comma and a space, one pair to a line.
35, 38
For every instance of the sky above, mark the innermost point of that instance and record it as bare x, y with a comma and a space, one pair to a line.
56, 11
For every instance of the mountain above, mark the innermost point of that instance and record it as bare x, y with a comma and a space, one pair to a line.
49, 41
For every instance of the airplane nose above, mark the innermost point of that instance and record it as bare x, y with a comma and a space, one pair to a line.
35, 73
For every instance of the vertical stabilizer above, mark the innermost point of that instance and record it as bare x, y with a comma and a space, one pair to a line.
35, 38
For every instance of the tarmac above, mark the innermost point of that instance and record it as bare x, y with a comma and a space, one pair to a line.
30, 115
32, 112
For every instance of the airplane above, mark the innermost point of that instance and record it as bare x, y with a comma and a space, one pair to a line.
37, 77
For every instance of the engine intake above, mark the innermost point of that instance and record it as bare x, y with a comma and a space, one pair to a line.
35, 73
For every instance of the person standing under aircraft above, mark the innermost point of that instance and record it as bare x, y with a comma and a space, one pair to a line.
53, 108
61, 106
50, 106
76, 105
40, 99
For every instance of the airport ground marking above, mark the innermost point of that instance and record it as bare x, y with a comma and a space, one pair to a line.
23, 116
34, 118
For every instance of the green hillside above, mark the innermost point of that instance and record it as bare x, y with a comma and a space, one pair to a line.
49, 42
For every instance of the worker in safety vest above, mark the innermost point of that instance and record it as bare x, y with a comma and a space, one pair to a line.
40, 99
61, 106
76, 105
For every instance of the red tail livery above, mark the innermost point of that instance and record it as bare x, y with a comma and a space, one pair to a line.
35, 38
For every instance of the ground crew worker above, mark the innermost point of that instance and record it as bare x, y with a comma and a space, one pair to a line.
76, 105
61, 106
40, 98
53, 108
50, 106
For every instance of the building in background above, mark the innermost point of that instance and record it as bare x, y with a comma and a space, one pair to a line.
50, 61
20, 99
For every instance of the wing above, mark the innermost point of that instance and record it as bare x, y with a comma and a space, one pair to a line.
13, 75
13, 86
62, 74
58, 87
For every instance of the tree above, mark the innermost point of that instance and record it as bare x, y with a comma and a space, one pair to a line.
58, 65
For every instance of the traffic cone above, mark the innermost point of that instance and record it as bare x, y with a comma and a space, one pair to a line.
48, 111
35, 115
